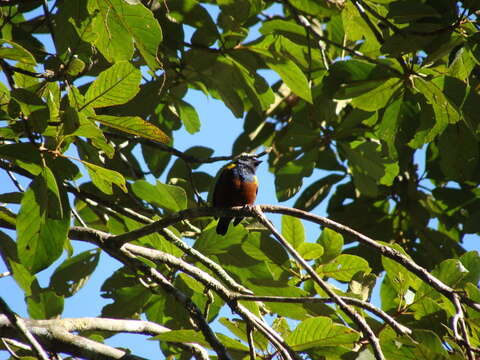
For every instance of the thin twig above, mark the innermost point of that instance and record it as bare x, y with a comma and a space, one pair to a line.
459, 318
185, 157
364, 16
15, 181
399, 328
379, 17
303, 21
208, 263
251, 344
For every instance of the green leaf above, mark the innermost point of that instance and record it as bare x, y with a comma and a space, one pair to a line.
321, 331
390, 127
471, 261
239, 329
22, 276
26, 152
114, 86
256, 88
317, 8
129, 297
74, 272
44, 304
344, 267
191, 12
168, 197
133, 125
75, 67
332, 243
410, 10
292, 230
421, 345
316, 192
400, 278
128, 302
445, 111
368, 167
291, 74
458, 150
183, 336
264, 248
378, 97
13, 51
42, 224
104, 178
120, 24
310, 251
188, 115
289, 177
210, 243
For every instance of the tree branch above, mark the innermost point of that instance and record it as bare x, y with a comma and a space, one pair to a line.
399, 328
104, 241
128, 259
112, 325
17, 322
320, 220
56, 339
352, 314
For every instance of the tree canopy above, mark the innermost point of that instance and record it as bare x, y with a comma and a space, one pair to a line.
381, 95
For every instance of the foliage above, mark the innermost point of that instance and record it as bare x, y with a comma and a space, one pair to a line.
381, 95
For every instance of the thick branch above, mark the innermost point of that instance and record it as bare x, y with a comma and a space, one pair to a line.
111, 325
17, 322
56, 339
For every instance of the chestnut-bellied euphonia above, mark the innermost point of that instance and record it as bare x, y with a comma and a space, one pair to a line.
237, 185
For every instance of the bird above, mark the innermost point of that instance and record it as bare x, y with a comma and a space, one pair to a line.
237, 185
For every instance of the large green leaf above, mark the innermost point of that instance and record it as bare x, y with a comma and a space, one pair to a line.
291, 74
42, 223
22, 276
210, 243
188, 115
133, 125
344, 267
445, 112
293, 231
316, 192
168, 197
15, 52
44, 304
104, 178
116, 85
321, 331
369, 168
409, 10
120, 24
74, 272
459, 152
332, 243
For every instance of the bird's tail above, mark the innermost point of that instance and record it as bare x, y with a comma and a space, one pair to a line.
222, 225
